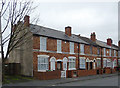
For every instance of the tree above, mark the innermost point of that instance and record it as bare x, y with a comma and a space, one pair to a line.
13, 30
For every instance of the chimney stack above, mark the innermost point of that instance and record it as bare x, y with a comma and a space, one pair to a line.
93, 36
26, 20
109, 41
68, 30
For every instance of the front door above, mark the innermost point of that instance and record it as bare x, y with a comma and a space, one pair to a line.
91, 65
87, 65
59, 65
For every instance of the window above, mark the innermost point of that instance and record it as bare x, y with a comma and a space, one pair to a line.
90, 49
98, 51
71, 47
115, 62
42, 62
43, 43
110, 54
82, 63
82, 48
118, 53
72, 63
118, 62
109, 63
98, 62
104, 62
65, 63
114, 53
58, 45
52, 63
104, 51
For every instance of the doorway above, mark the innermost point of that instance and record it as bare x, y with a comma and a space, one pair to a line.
59, 65
87, 64
91, 65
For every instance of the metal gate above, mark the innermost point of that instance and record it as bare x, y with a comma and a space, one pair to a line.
63, 74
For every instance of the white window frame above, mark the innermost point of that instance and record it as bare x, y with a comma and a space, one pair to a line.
52, 63
82, 49
118, 53
118, 62
72, 60
115, 62
110, 52
104, 62
82, 65
43, 43
59, 46
39, 63
109, 63
99, 62
114, 53
65, 60
94, 63
104, 51
71, 47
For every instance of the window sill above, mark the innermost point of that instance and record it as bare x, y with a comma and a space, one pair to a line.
43, 51
59, 52
72, 69
42, 70
82, 54
71, 53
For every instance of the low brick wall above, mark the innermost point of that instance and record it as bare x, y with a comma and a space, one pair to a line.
71, 73
47, 75
86, 72
107, 70
113, 70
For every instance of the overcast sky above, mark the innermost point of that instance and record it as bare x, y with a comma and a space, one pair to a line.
83, 17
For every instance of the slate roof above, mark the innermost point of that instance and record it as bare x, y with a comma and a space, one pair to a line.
104, 44
88, 40
48, 32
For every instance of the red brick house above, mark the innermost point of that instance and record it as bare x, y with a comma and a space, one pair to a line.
54, 54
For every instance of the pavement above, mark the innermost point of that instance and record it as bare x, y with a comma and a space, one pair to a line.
60, 81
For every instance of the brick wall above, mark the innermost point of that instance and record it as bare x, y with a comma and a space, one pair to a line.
57, 56
51, 44
94, 50
107, 70
87, 49
36, 42
86, 72
47, 75
71, 73
65, 46
75, 47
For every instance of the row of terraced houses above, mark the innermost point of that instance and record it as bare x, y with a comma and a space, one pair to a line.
52, 54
